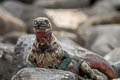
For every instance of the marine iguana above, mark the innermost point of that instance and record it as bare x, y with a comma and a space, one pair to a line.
46, 52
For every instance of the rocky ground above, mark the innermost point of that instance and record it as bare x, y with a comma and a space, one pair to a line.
91, 24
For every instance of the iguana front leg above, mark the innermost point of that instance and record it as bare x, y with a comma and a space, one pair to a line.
65, 61
30, 59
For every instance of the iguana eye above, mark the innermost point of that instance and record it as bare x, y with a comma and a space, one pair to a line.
35, 23
47, 22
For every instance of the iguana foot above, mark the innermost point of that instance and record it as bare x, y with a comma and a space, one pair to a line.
90, 73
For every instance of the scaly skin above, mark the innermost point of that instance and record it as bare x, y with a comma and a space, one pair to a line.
46, 52
50, 58
95, 62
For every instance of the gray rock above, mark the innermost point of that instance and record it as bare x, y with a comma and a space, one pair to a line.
115, 4
102, 38
70, 35
27, 1
10, 23
44, 74
102, 45
116, 66
1, 38
107, 39
12, 37
6, 49
22, 48
101, 7
62, 3
88, 30
117, 79
113, 56
25, 12
14, 7
6, 61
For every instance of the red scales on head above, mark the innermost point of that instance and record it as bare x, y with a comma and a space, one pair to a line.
43, 30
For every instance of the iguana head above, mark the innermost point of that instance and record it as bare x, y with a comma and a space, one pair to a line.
42, 23
43, 30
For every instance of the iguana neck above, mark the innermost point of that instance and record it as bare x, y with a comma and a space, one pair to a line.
43, 37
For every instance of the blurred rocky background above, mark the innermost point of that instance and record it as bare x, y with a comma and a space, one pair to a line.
92, 24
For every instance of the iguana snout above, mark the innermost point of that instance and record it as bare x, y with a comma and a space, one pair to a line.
41, 23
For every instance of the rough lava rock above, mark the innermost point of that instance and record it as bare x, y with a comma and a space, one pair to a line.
44, 74
114, 3
62, 3
6, 61
27, 1
87, 30
12, 37
30, 12
14, 7
101, 7
63, 18
101, 39
70, 35
107, 39
9, 23
22, 48
116, 66
113, 56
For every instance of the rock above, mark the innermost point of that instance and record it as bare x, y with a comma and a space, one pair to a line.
1, 0
102, 45
115, 4
63, 18
116, 66
12, 37
111, 18
6, 49
106, 40
6, 61
98, 36
62, 3
9, 23
22, 48
27, 1
87, 30
113, 56
70, 35
104, 7
101, 7
30, 12
1, 38
44, 74
16, 8
117, 79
